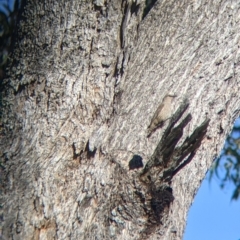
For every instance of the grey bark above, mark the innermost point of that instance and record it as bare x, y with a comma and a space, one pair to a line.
84, 83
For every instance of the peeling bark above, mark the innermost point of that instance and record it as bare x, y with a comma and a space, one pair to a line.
84, 82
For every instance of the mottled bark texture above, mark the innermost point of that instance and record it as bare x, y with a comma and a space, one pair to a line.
85, 80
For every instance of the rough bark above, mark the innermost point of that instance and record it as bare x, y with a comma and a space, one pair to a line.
84, 83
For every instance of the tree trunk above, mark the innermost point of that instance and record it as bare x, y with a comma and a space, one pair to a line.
84, 84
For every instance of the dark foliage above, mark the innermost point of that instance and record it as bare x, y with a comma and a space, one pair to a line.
227, 166
8, 19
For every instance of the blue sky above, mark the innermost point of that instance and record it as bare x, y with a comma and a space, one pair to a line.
10, 3
213, 216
